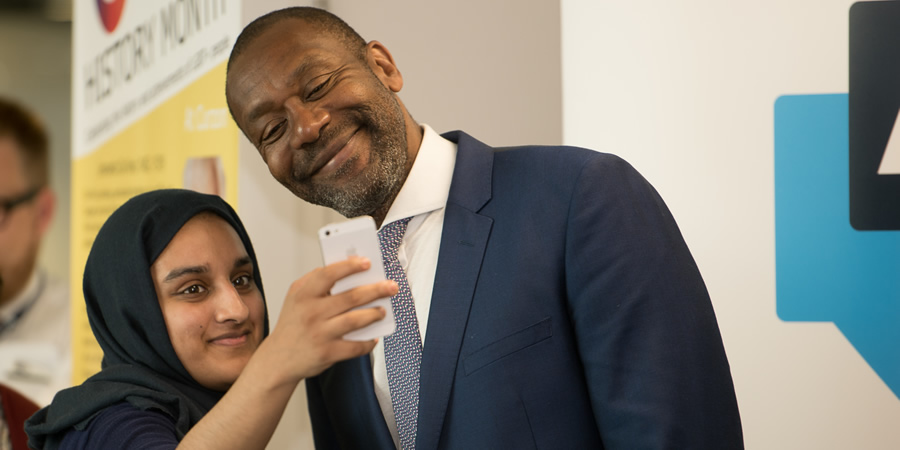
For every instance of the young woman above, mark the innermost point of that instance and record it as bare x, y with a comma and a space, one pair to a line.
175, 300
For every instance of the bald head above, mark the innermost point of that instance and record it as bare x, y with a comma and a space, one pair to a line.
322, 20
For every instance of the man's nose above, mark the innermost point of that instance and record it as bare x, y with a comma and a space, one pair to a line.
306, 122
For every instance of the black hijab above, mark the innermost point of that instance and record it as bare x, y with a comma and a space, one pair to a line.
139, 363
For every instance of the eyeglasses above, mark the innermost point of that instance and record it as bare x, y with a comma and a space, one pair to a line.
7, 205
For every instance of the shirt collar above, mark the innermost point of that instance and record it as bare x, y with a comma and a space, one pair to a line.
19, 302
428, 185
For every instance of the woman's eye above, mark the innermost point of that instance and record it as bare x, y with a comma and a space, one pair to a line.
194, 290
242, 281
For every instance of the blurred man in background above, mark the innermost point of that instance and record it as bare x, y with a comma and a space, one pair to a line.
34, 309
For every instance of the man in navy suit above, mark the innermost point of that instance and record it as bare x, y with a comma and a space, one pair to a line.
556, 301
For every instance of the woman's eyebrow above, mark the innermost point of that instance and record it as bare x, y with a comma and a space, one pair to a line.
243, 261
181, 271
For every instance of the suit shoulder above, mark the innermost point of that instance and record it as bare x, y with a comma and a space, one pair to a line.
544, 154
563, 157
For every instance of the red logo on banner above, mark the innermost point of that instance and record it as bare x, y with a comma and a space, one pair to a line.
110, 13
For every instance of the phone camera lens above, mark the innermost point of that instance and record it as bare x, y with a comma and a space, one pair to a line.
327, 233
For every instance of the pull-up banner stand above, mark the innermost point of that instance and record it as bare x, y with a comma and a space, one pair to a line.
148, 112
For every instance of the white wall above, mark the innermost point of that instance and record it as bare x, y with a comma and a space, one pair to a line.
490, 68
685, 91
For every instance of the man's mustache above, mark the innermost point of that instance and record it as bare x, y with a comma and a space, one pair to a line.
312, 150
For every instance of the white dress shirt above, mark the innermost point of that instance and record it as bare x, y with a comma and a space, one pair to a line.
423, 197
35, 346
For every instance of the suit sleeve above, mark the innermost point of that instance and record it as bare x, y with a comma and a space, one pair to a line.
645, 327
324, 435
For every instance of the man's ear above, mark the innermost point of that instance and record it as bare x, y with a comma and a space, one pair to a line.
382, 64
46, 206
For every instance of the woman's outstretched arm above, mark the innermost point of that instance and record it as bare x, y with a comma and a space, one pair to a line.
306, 340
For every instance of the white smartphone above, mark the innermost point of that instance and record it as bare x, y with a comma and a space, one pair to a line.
358, 237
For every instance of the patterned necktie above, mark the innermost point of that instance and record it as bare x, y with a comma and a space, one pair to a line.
403, 349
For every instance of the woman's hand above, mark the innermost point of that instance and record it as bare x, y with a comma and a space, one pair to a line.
308, 336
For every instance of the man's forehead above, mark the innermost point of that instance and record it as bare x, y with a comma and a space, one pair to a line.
286, 52
252, 78
281, 62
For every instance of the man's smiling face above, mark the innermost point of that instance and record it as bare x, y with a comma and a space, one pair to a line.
324, 117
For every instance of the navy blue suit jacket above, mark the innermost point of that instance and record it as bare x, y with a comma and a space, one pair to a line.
567, 313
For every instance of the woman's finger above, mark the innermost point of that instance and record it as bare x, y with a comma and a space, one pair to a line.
354, 320
360, 296
319, 281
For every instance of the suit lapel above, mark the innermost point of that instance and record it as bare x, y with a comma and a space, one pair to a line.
463, 242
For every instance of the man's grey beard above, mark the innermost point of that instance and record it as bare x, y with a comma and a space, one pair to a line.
382, 183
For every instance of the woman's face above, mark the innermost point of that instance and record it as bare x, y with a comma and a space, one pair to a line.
213, 309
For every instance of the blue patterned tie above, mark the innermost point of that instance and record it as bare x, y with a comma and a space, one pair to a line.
403, 349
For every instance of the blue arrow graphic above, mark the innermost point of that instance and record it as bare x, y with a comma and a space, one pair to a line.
826, 271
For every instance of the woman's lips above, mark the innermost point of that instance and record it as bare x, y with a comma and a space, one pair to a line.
231, 339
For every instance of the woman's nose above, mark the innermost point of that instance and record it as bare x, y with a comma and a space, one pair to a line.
230, 306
